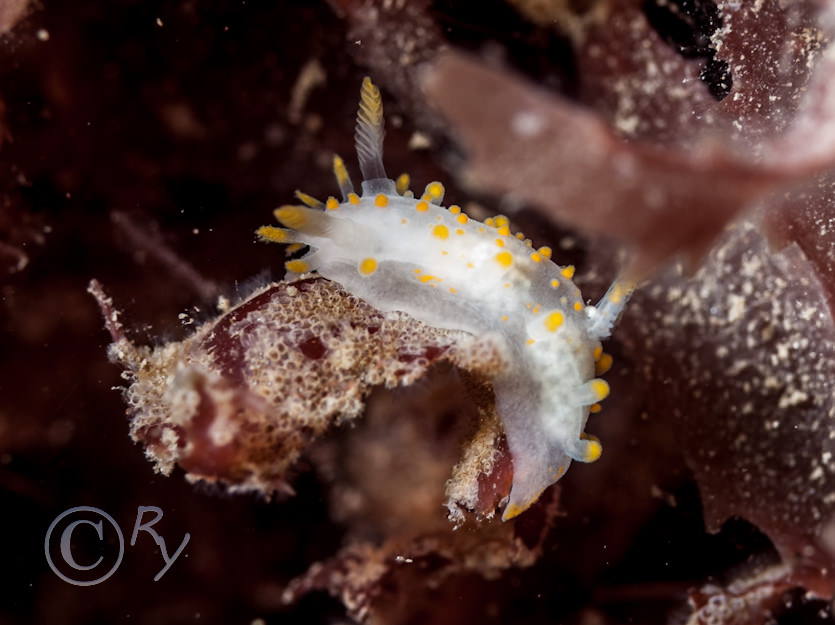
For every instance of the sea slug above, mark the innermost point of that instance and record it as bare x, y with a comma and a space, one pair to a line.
407, 253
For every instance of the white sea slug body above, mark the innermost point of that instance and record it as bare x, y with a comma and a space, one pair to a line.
436, 264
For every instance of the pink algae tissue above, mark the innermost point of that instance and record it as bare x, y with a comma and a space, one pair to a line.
749, 339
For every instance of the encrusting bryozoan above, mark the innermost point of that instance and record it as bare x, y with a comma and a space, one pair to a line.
399, 252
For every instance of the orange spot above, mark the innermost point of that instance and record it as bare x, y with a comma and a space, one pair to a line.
603, 364
600, 388
554, 321
296, 266
505, 259
368, 266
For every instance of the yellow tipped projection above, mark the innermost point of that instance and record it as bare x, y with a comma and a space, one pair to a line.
271, 234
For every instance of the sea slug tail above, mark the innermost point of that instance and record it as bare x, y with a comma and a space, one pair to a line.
603, 316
